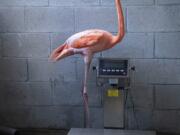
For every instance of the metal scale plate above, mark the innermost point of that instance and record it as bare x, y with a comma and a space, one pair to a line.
81, 131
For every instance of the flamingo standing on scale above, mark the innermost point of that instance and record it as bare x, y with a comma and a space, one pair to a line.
87, 43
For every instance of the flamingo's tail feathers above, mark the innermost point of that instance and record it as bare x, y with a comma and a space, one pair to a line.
57, 51
61, 52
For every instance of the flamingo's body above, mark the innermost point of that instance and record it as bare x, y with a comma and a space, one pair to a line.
90, 40
87, 43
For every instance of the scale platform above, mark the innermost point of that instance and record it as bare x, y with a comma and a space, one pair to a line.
81, 131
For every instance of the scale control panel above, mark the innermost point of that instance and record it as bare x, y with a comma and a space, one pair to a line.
113, 67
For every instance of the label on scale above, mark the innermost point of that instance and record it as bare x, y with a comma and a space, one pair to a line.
113, 81
113, 92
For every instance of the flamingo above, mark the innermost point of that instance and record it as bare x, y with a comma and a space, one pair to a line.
87, 43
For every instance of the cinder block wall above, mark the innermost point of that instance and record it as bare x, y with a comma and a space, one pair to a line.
35, 93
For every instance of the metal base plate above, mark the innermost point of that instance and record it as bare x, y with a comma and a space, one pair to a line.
81, 131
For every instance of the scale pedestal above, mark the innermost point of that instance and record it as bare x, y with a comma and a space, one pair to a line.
84, 131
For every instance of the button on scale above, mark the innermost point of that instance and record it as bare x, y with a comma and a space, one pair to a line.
113, 70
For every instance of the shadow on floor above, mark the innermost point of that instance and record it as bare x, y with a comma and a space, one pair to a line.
42, 132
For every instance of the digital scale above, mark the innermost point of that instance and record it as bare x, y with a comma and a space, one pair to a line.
115, 75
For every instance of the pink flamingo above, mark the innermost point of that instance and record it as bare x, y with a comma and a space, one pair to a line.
87, 43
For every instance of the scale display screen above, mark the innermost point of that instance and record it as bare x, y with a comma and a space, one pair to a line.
113, 67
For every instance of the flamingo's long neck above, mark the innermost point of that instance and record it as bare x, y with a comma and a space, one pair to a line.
121, 29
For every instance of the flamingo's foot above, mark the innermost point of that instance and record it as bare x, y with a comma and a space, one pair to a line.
86, 110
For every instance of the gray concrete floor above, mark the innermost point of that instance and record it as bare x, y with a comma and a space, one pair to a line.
55, 132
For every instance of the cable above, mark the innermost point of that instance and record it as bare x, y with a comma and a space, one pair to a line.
128, 95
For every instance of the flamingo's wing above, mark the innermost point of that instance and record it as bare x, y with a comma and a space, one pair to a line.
87, 40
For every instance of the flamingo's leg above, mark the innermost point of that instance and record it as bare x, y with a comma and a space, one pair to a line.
87, 60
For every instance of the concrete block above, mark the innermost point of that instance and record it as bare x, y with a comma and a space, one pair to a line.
73, 90
97, 18
141, 96
12, 19
144, 69
37, 93
39, 70
129, 2
97, 117
139, 118
153, 18
64, 70
44, 70
167, 96
41, 117
166, 121
167, 45
57, 117
26, 45
49, 19
24, 3
166, 72
140, 2
16, 116
1, 85
165, 2
13, 69
178, 117
73, 2
159, 71
134, 45
0, 46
